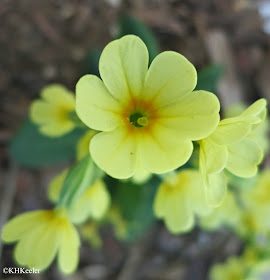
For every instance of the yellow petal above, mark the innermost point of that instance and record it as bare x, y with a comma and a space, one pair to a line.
169, 77
99, 199
25, 248
171, 205
68, 256
115, 152
162, 151
46, 244
228, 213
94, 104
141, 175
21, 225
123, 65
56, 185
213, 157
216, 189
94, 202
195, 191
230, 131
82, 148
57, 129
234, 129
256, 109
244, 157
194, 116
59, 95
42, 112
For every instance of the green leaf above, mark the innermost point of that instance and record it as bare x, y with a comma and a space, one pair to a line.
130, 25
209, 77
91, 62
135, 203
32, 149
79, 178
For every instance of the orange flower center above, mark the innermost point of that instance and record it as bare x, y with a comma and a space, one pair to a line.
139, 115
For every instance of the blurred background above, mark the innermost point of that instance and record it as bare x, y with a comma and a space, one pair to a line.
44, 42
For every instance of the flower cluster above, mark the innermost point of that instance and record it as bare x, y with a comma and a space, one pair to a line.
138, 121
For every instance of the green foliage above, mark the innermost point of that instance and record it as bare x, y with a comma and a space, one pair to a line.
209, 77
91, 62
135, 203
130, 25
78, 179
32, 149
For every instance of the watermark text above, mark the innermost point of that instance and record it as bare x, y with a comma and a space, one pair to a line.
20, 270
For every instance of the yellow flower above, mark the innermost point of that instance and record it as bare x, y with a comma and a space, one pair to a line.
249, 266
93, 203
259, 194
53, 113
120, 226
260, 134
41, 235
178, 198
228, 213
256, 204
145, 115
233, 269
82, 148
90, 233
229, 147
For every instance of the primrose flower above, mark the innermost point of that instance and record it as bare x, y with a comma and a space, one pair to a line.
41, 235
229, 147
146, 116
249, 266
179, 197
119, 224
54, 113
93, 203
258, 135
232, 269
259, 194
90, 233
256, 204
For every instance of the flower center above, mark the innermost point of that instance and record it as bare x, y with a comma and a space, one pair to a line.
137, 119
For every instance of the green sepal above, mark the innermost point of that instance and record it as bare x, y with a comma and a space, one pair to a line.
79, 178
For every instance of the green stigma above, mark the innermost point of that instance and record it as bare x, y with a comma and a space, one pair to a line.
138, 120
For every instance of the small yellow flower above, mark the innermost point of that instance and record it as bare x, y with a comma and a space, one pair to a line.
82, 148
228, 214
229, 147
120, 226
41, 235
93, 203
249, 266
232, 269
256, 204
258, 135
259, 194
90, 233
145, 115
53, 113
178, 198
